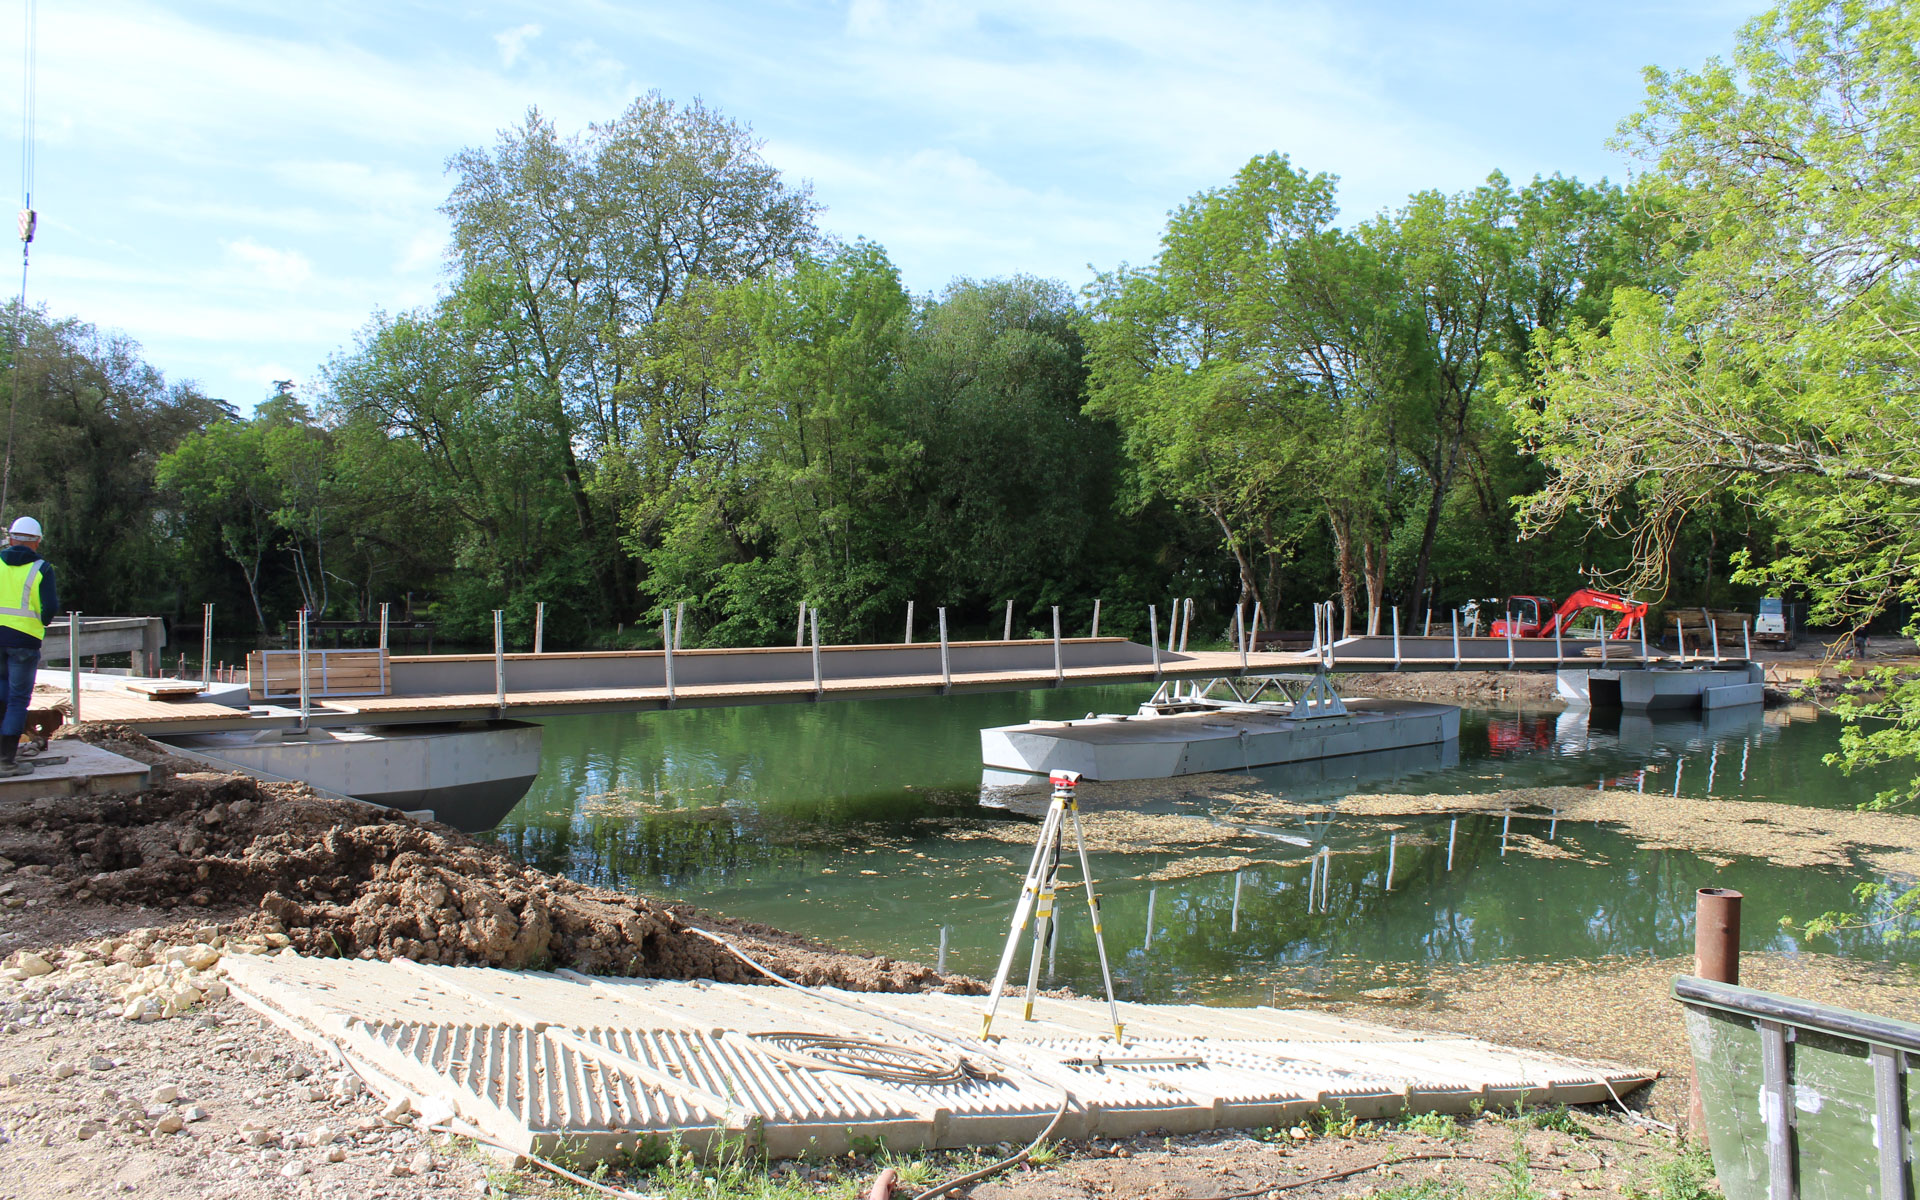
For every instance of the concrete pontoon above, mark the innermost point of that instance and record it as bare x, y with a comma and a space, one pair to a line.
469, 775
1192, 731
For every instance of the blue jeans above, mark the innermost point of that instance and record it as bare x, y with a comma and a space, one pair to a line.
22, 662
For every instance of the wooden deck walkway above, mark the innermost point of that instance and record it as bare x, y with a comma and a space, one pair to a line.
454, 688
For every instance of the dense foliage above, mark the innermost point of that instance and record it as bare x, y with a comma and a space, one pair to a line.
651, 381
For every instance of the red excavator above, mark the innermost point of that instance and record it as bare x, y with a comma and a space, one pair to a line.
1535, 616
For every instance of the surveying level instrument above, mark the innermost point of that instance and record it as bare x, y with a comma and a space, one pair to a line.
1036, 901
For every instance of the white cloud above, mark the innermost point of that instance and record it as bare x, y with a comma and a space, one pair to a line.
513, 43
275, 268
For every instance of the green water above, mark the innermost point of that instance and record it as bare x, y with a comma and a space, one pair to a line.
861, 824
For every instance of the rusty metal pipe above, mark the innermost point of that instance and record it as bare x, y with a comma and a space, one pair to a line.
1716, 935
1716, 956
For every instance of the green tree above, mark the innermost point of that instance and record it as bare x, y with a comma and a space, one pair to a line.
566, 250
1782, 371
92, 422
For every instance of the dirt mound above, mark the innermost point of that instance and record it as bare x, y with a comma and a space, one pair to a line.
341, 878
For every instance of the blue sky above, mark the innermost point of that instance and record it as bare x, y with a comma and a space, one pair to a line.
238, 186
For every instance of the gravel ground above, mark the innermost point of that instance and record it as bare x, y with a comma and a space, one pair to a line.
215, 1104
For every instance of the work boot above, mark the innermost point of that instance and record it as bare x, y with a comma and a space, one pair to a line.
8, 767
9, 747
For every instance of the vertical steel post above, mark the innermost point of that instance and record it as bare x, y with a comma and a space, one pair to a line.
669, 634
1680, 640
909, 640
383, 624
73, 667
819, 682
941, 967
1713, 632
1604, 639
1186, 623
1746, 639
946, 664
1456, 637
1396, 637
1393, 850
1006, 634
800, 627
540, 627
1096, 618
1059, 671
1253, 633
1315, 648
679, 621
1153, 637
1558, 653
306, 691
500, 662
1510, 640
1716, 956
1240, 631
1427, 629
1642, 623
206, 644
1173, 624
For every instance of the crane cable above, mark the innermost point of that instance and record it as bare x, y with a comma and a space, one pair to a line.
29, 220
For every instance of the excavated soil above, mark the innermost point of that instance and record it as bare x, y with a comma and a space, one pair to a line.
341, 878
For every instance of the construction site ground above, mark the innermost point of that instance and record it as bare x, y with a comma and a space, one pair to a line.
126, 1070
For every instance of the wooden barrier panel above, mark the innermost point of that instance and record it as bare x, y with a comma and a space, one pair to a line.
275, 674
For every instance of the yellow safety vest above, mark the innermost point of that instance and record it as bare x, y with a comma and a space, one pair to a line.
23, 581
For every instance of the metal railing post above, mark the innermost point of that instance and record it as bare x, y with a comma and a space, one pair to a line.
1680, 641
1396, 637
1746, 639
206, 644
1510, 640
1427, 629
909, 640
669, 634
1240, 631
946, 663
679, 621
1559, 654
1329, 646
800, 627
383, 624
1253, 640
1186, 623
819, 682
306, 691
1173, 625
540, 627
1006, 635
1713, 632
1456, 637
73, 667
1153, 637
1059, 671
500, 661
1642, 623
1604, 639
1096, 618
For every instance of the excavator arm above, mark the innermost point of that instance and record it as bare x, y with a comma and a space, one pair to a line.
1586, 598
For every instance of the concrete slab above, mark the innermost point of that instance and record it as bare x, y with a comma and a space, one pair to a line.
1733, 695
542, 1061
88, 770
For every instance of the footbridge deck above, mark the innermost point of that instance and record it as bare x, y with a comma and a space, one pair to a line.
472, 687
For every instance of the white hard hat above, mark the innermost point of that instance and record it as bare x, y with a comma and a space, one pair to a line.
25, 527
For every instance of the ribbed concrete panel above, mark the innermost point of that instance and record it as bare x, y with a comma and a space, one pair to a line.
542, 1060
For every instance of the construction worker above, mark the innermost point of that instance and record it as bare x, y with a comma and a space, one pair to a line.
27, 598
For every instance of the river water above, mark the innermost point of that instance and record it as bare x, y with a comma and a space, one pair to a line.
869, 825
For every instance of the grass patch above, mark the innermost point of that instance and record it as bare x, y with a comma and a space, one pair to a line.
1435, 1125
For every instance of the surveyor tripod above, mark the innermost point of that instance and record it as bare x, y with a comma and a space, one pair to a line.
1036, 902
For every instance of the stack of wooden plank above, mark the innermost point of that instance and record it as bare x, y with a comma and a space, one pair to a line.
275, 674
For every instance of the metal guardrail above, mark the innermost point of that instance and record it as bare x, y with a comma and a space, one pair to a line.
1802, 1100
